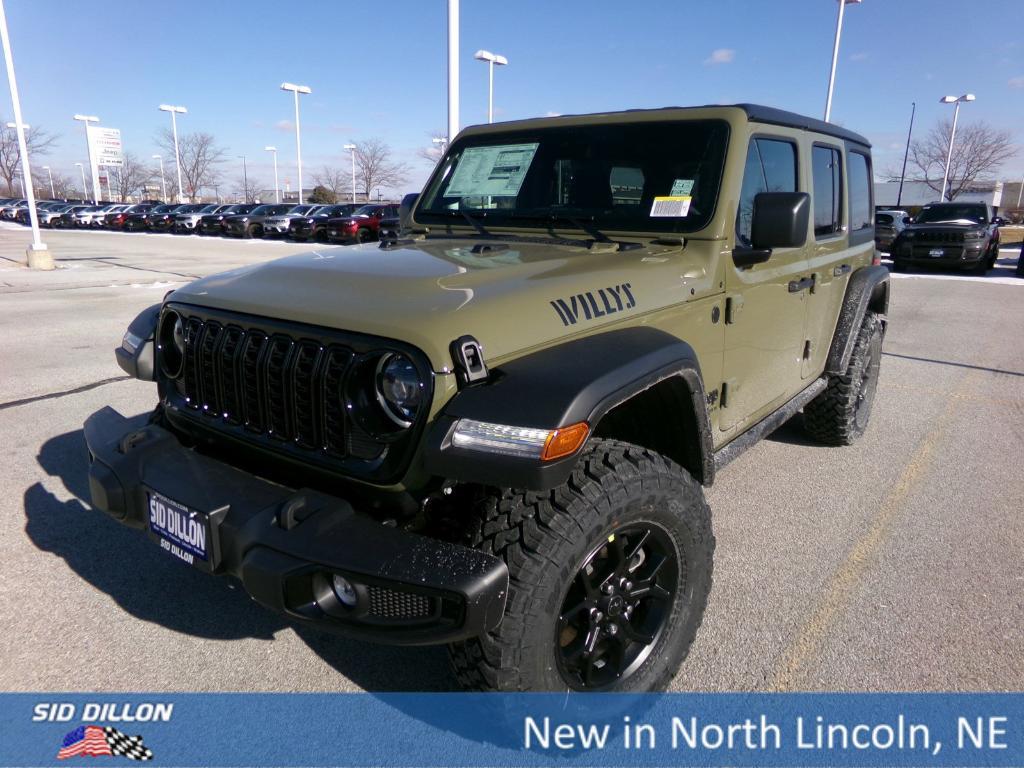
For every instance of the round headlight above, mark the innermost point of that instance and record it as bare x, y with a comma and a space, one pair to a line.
172, 344
399, 388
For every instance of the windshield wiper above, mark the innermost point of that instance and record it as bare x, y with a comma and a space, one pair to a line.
582, 224
473, 221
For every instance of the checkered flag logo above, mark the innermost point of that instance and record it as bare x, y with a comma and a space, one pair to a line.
97, 741
127, 746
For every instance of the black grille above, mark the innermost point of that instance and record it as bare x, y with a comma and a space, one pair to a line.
294, 390
940, 237
285, 389
391, 604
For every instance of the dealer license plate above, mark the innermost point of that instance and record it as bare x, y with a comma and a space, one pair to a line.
937, 253
183, 532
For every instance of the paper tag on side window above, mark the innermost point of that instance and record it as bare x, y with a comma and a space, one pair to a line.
671, 205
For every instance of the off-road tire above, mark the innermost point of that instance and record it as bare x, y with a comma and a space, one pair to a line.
840, 414
544, 539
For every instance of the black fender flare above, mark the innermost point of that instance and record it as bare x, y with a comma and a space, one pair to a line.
579, 380
868, 289
139, 361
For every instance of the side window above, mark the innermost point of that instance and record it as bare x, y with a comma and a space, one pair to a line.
860, 190
771, 167
826, 166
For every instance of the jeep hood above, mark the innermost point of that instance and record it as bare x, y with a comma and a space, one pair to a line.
515, 297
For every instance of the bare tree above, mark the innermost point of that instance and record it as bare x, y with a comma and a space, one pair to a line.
375, 168
63, 186
200, 157
335, 179
978, 151
37, 141
130, 177
247, 188
433, 153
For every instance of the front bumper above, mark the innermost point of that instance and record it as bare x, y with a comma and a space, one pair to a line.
950, 256
284, 545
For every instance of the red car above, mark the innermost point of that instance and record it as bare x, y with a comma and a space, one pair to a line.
363, 226
116, 220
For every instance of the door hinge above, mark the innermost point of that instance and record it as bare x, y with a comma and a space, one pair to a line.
733, 307
808, 348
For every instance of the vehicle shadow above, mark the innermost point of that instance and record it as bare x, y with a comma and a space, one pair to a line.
124, 564
792, 433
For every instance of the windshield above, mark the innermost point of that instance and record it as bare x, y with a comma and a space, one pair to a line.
270, 210
162, 209
364, 210
649, 176
883, 218
935, 214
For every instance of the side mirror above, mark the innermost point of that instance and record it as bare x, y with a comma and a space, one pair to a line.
780, 220
405, 210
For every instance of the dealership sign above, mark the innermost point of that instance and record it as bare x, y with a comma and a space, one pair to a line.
105, 146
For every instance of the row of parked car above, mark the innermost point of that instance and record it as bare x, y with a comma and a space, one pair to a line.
343, 223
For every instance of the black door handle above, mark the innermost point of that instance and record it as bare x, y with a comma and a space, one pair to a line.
795, 286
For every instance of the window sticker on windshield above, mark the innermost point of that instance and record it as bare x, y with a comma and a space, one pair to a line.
681, 187
672, 205
497, 170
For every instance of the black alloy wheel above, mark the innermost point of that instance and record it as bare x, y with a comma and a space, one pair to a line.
617, 607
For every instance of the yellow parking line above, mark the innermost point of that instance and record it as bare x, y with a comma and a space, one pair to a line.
789, 671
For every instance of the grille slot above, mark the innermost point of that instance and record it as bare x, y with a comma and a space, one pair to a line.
391, 604
276, 386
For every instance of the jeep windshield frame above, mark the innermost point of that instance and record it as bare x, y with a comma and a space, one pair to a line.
606, 174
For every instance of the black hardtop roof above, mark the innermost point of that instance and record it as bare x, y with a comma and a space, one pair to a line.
761, 114
757, 113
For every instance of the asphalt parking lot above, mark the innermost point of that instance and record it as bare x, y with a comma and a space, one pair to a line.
894, 564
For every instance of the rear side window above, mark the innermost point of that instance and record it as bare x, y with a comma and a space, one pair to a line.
884, 218
771, 167
860, 190
827, 170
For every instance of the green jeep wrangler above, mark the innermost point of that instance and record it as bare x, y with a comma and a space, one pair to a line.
492, 428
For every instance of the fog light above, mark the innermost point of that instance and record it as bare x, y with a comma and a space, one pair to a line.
344, 591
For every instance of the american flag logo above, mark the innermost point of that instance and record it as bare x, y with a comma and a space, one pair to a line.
97, 741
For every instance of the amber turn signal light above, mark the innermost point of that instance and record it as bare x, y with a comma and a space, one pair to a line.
565, 441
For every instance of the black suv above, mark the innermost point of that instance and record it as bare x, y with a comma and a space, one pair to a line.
952, 235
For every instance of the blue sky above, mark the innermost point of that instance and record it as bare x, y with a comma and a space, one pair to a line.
381, 73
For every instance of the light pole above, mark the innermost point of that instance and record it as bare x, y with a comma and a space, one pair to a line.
82, 169
27, 127
352, 148
297, 89
38, 256
952, 134
453, 69
835, 56
491, 59
93, 171
163, 182
53, 195
245, 180
174, 131
277, 188
903, 173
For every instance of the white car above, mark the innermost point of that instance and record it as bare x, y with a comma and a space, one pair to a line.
278, 225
